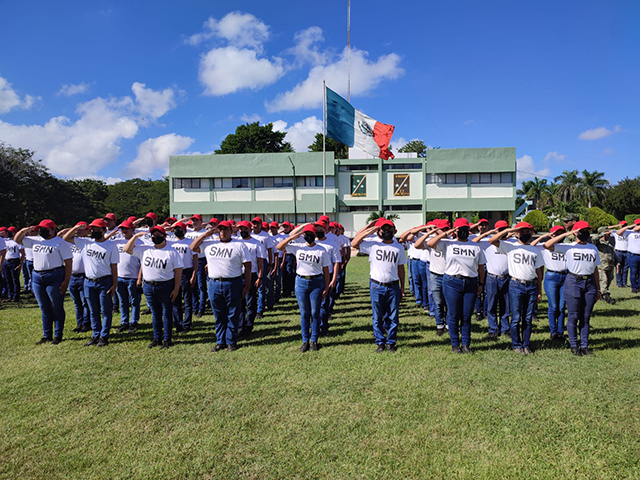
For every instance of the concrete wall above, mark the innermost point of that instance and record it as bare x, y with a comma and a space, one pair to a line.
416, 184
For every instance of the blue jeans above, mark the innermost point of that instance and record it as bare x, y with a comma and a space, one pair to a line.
309, 296
289, 275
159, 300
325, 308
623, 264
438, 298
634, 269
496, 292
183, 304
99, 301
226, 302
426, 292
580, 296
46, 288
12, 277
420, 282
262, 289
523, 301
250, 304
268, 289
27, 274
385, 303
76, 290
411, 275
277, 282
342, 276
130, 297
554, 288
460, 295
200, 292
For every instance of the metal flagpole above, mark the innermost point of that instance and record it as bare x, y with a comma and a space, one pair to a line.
349, 51
324, 148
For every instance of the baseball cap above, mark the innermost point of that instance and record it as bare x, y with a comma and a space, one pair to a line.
309, 228
3, 229
98, 222
12, 229
171, 219
386, 222
558, 228
152, 215
82, 223
197, 216
501, 224
231, 221
524, 225
570, 217
111, 216
379, 221
460, 222
444, 223
214, 221
623, 222
127, 224
333, 224
320, 224
580, 225
158, 229
274, 224
46, 223
483, 220
265, 225
256, 220
179, 225
244, 223
189, 222
224, 224
636, 221
323, 218
286, 223
132, 219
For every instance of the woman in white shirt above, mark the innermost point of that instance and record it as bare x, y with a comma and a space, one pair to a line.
14, 257
312, 280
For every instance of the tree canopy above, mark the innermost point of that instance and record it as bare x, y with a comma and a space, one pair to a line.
341, 151
416, 146
255, 138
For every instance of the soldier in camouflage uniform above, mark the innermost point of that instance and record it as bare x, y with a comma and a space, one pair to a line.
569, 220
607, 268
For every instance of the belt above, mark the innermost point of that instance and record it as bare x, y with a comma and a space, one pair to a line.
501, 277
436, 274
621, 251
157, 284
98, 279
384, 284
524, 282
50, 270
309, 277
462, 277
631, 253
77, 274
226, 279
562, 272
580, 277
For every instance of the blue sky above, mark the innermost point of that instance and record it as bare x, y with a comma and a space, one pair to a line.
111, 89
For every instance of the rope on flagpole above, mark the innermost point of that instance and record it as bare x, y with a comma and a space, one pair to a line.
324, 148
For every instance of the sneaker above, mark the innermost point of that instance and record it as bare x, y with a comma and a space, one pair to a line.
518, 350
133, 328
576, 351
155, 343
586, 351
439, 331
166, 344
380, 349
479, 317
56, 340
123, 328
218, 347
232, 348
92, 341
527, 351
465, 349
456, 350
313, 346
392, 348
304, 347
44, 340
103, 342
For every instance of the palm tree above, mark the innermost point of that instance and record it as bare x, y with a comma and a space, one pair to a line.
373, 216
592, 186
569, 180
550, 195
533, 190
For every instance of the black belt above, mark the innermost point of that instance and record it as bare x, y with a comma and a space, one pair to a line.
77, 274
384, 284
524, 282
436, 274
157, 284
580, 277
501, 277
50, 270
309, 277
621, 251
226, 279
631, 253
462, 277
98, 279
562, 272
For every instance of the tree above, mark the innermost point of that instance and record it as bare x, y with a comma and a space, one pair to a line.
341, 151
569, 180
538, 220
255, 138
533, 190
592, 186
138, 197
96, 192
623, 198
599, 218
416, 146
381, 214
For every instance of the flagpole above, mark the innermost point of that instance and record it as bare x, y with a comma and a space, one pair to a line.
348, 50
324, 148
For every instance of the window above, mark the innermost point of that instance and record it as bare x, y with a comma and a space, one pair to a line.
275, 182
351, 168
456, 178
403, 207
240, 182
358, 208
309, 181
504, 177
187, 183
224, 183
401, 166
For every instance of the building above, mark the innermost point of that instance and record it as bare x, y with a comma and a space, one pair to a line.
463, 181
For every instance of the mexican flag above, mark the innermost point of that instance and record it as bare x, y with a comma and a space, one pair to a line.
347, 125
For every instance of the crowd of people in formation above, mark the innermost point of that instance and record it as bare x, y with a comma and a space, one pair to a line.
242, 269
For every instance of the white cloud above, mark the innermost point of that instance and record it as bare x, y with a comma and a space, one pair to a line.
153, 154
237, 28
365, 76
306, 49
398, 143
10, 99
229, 69
608, 151
598, 133
301, 134
107, 180
250, 118
555, 156
68, 90
152, 103
526, 169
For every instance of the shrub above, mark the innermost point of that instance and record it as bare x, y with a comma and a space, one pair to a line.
630, 218
538, 220
599, 218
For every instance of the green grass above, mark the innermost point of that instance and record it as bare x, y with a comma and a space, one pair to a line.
267, 411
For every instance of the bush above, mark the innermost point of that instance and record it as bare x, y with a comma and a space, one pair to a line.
538, 220
630, 218
599, 218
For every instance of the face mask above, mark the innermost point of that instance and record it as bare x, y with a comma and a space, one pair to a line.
320, 235
96, 235
386, 235
157, 240
45, 233
149, 222
179, 232
245, 233
463, 234
583, 235
309, 237
525, 237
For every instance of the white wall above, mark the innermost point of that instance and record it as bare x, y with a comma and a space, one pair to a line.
416, 184
344, 182
191, 195
354, 221
446, 191
232, 195
491, 190
274, 194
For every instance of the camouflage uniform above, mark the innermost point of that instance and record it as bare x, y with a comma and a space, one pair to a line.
607, 267
570, 217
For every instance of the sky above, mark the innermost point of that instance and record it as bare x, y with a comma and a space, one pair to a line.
109, 90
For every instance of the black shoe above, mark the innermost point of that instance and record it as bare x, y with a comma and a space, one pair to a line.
123, 328
586, 351
186, 330
179, 329
576, 351
155, 343
232, 348
534, 318
218, 347
552, 336
92, 341
392, 348
518, 350
304, 347
85, 328
146, 312
313, 346
77, 330
380, 349
259, 315
527, 351
56, 340
133, 328
439, 331
456, 349
44, 340
166, 344
492, 336
103, 342
199, 314
465, 349
479, 317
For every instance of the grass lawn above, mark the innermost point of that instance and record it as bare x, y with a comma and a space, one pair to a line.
268, 411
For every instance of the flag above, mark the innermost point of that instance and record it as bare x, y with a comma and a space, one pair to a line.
347, 125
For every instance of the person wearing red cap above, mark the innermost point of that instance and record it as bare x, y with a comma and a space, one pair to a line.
312, 281
496, 288
621, 250
52, 264
582, 286
632, 234
100, 258
525, 286
229, 270
183, 303
288, 266
3, 251
200, 294
13, 260
465, 263
387, 259
332, 248
258, 255
262, 236
345, 252
160, 276
482, 226
112, 225
277, 237
76, 284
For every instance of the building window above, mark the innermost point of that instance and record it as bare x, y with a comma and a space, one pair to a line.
403, 207
219, 183
313, 181
401, 166
351, 168
240, 182
401, 185
358, 208
187, 183
485, 178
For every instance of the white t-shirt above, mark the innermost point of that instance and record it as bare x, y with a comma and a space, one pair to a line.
48, 254
276, 239
309, 260
128, 265
462, 258
225, 259
78, 263
633, 239
97, 256
334, 253
146, 238
496, 260
425, 255
437, 263
581, 259
412, 251
523, 260
384, 260
2, 244
192, 235
266, 240
622, 241
158, 264
13, 249
345, 243
556, 260
183, 247
28, 251
256, 250
117, 236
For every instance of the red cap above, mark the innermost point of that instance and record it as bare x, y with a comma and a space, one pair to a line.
460, 222
386, 222
189, 222
197, 216
158, 229
501, 224
3, 229
379, 222
171, 219
623, 222
636, 221
582, 224
244, 223
12, 229
84, 224
334, 224
132, 219
524, 225
323, 218
180, 225
224, 224
127, 224
309, 228
98, 222
265, 225
111, 216
340, 226
256, 220
214, 221
558, 228
320, 224
152, 215
286, 223
46, 223
231, 221
483, 220
444, 223
274, 224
